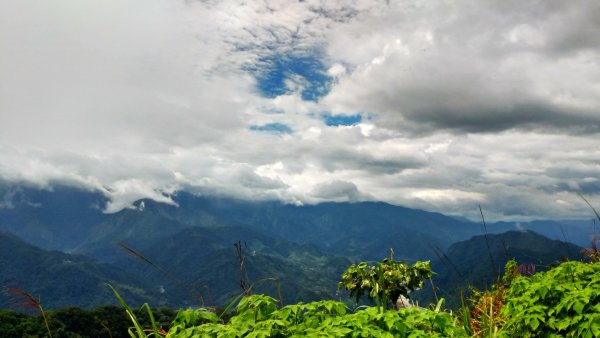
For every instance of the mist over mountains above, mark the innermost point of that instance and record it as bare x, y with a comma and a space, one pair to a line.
298, 252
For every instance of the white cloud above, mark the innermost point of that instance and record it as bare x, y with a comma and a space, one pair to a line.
491, 103
474, 68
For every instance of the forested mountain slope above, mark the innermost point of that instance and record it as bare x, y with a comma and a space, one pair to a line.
61, 279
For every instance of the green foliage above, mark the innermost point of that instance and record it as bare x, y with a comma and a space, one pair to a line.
511, 271
61, 280
258, 316
485, 317
138, 330
385, 281
564, 301
106, 321
14, 324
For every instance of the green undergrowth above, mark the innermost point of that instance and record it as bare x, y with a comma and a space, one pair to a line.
258, 316
561, 302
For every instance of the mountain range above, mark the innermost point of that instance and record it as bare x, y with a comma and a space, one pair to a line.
169, 254
479, 261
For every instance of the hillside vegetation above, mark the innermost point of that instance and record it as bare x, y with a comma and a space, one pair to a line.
479, 262
561, 302
63, 280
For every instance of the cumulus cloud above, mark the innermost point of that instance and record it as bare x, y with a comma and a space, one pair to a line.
480, 68
435, 105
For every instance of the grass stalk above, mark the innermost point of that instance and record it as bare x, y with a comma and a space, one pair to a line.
487, 243
189, 288
27, 300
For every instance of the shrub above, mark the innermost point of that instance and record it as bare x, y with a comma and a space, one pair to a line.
385, 281
561, 302
258, 316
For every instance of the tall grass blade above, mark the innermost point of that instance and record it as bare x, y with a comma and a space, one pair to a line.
244, 280
590, 205
381, 283
465, 314
439, 304
189, 288
437, 299
155, 328
139, 331
487, 243
27, 300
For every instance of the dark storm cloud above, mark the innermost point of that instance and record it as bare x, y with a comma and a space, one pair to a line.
523, 116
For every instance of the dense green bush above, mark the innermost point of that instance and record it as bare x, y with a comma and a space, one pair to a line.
258, 316
562, 302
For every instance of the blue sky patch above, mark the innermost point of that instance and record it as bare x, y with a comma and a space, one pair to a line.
276, 128
341, 120
306, 70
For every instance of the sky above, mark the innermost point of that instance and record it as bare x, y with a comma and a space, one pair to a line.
438, 105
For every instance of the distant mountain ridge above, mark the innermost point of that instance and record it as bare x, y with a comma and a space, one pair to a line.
479, 261
71, 220
579, 232
363, 230
305, 248
56, 219
490, 253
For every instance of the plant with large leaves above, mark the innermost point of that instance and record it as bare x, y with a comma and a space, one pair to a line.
562, 302
384, 282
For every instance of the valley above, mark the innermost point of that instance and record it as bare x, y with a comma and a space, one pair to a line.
60, 246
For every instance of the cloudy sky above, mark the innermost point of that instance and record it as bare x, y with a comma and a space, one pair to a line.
439, 105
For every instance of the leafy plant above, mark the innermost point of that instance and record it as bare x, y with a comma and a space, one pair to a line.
385, 281
564, 301
258, 316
